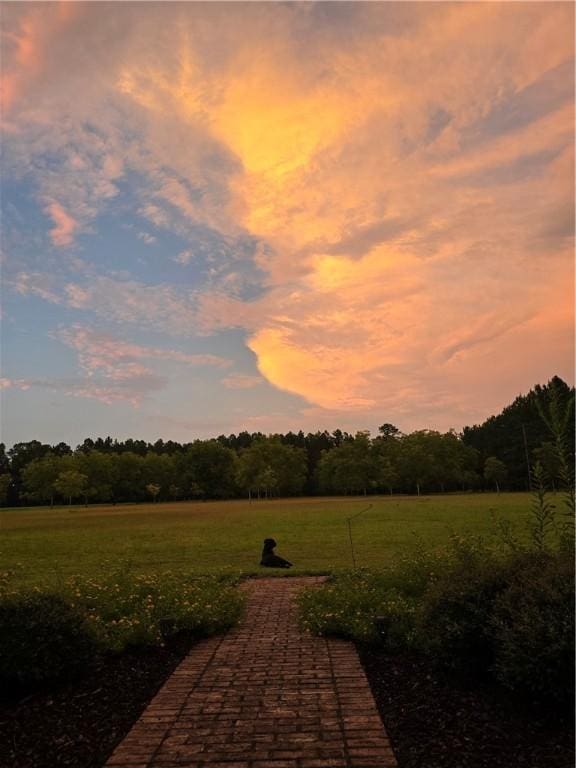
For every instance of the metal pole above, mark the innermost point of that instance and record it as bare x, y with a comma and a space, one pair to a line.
527, 458
351, 544
348, 520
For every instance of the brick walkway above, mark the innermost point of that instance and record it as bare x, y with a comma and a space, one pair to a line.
262, 696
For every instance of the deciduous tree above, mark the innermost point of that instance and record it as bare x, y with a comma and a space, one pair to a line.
71, 484
39, 478
495, 471
5, 481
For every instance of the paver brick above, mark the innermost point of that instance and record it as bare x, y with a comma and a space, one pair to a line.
264, 695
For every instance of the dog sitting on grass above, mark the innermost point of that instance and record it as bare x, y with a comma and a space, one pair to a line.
269, 559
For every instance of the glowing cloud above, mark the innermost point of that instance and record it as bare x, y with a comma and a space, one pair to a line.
402, 173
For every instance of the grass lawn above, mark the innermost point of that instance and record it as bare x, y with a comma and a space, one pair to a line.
42, 546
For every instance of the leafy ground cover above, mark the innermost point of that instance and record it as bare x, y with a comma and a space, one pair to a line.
42, 546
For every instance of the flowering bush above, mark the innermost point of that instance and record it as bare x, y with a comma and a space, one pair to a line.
45, 635
358, 605
144, 609
374, 606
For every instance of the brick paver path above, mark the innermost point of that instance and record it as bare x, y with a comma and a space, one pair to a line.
262, 696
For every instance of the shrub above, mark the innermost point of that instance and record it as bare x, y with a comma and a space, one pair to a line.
454, 615
395, 621
42, 639
47, 637
455, 610
360, 606
511, 617
342, 608
412, 572
505, 614
532, 629
127, 611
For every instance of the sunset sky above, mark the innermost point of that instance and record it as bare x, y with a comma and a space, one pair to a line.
274, 216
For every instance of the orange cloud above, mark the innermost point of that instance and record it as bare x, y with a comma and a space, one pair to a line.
405, 168
28, 35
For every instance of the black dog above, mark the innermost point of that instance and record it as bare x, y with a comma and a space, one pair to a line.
269, 559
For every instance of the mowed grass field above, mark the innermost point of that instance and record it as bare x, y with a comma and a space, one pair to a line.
43, 546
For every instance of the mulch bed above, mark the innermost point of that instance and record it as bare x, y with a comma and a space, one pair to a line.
79, 724
433, 721
438, 721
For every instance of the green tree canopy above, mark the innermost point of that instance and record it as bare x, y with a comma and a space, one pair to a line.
353, 467
5, 481
495, 471
209, 467
71, 484
39, 478
268, 466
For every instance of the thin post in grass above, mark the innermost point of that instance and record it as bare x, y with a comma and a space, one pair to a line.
527, 458
351, 543
349, 521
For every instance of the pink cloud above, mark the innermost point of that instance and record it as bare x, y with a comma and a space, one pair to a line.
112, 369
184, 257
6, 383
36, 284
132, 390
62, 234
241, 381
77, 296
105, 355
147, 238
133, 393
130, 301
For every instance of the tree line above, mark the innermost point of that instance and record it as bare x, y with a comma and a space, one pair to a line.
497, 454
525, 434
